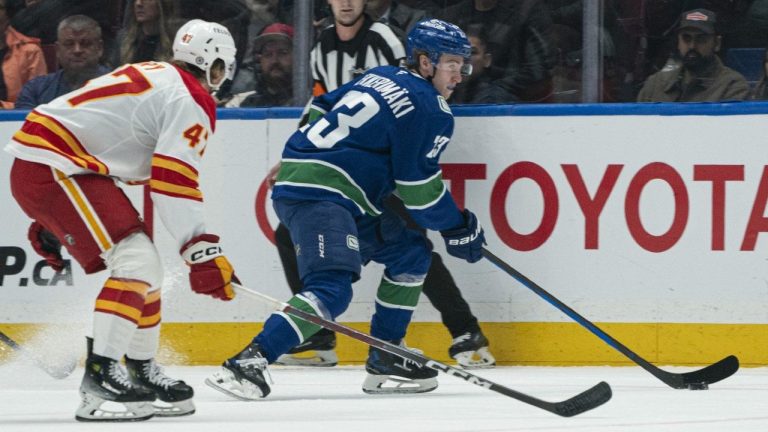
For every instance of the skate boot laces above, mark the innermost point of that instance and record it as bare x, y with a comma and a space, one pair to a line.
155, 375
119, 375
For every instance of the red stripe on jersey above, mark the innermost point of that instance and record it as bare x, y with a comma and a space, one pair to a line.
151, 308
128, 298
177, 194
173, 177
200, 95
150, 316
39, 133
173, 161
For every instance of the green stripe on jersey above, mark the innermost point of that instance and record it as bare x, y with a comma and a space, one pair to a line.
399, 296
315, 173
306, 328
422, 194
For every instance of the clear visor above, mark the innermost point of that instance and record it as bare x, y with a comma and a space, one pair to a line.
453, 67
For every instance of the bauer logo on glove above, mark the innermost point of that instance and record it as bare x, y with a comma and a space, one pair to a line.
467, 239
465, 242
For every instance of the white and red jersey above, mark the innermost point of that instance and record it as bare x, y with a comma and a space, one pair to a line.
145, 122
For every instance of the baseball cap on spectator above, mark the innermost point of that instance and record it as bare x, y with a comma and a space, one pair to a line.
701, 19
272, 32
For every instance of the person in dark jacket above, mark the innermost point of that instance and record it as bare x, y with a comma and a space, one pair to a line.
273, 50
395, 14
760, 92
695, 73
78, 50
479, 87
521, 40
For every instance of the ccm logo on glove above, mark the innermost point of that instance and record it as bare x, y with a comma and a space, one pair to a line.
205, 254
210, 273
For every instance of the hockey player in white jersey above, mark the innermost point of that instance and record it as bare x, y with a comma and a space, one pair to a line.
143, 123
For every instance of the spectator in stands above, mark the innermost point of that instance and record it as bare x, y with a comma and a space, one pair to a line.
22, 58
274, 52
396, 14
479, 88
40, 19
146, 33
261, 14
760, 92
696, 73
520, 40
78, 50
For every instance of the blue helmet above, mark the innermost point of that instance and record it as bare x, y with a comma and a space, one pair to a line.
436, 37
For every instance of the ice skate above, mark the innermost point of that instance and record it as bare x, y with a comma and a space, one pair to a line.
174, 397
389, 373
317, 350
470, 351
105, 385
243, 376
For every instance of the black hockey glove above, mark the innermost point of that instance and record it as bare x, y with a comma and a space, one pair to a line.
466, 242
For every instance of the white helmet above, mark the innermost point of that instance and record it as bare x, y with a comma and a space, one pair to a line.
200, 43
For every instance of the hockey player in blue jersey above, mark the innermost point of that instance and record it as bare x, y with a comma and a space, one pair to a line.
379, 134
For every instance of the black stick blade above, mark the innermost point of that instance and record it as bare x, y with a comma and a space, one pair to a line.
585, 401
712, 373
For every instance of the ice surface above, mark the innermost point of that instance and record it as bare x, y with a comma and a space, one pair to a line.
330, 399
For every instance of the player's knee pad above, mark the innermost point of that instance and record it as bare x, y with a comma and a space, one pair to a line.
330, 289
135, 257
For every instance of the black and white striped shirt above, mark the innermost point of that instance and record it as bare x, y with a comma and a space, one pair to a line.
335, 62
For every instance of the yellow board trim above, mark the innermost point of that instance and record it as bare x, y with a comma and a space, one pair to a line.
530, 344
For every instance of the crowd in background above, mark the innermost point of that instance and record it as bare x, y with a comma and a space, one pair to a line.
524, 51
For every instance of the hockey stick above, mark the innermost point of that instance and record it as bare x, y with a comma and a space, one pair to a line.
58, 372
589, 399
695, 380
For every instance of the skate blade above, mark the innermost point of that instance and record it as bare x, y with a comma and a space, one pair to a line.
173, 409
225, 382
95, 409
386, 384
315, 358
480, 359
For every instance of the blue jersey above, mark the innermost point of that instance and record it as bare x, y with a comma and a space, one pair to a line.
383, 132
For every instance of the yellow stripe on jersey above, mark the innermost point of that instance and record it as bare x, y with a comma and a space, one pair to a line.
91, 220
138, 287
176, 190
38, 141
119, 308
175, 166
67, 137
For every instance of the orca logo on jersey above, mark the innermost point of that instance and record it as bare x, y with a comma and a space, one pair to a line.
444, 105
352, 242
466, 239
